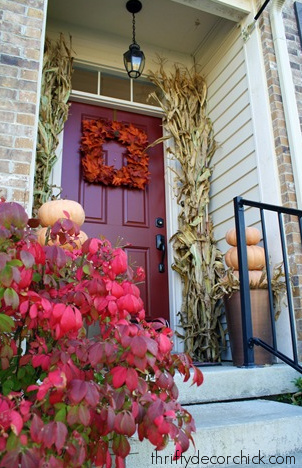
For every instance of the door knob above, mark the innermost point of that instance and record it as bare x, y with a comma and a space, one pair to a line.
161, 245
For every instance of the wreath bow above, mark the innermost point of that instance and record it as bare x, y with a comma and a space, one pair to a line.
94, 134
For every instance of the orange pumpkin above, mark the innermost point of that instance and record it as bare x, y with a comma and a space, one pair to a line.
79, 241
255, 257
254, 277
53, 210
252, 234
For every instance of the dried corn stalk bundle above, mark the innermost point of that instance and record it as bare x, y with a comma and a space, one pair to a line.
196, 257
55, 92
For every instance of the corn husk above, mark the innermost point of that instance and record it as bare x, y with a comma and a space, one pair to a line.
197, 260
53, 112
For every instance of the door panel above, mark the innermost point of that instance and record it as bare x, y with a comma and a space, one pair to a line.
125, 216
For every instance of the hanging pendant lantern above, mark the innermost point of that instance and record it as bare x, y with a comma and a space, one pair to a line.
134, 58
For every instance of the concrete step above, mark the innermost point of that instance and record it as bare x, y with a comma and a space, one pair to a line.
232, 434
226, 382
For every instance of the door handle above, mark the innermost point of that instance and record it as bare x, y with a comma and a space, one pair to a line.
161, 245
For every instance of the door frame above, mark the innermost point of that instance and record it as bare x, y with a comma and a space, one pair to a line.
172, 209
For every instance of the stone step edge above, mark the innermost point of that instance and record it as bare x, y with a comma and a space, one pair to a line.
268, 428
226, 382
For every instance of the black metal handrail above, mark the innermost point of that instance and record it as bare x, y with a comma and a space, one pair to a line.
247, 326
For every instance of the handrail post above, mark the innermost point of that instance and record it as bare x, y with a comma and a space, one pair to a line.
245, 299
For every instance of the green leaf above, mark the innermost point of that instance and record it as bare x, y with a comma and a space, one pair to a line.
87, 269
6, 275
61, 414
6, 323
15, 262
12, 442
36, 277
11, 298
7, 386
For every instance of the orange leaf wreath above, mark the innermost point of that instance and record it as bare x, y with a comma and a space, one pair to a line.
94, 134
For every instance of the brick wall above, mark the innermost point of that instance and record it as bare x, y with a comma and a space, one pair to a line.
282, 150
21, 44
295, 57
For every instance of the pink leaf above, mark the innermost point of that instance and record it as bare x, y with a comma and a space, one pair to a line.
57, 378
27, 258
16, 422
165, 344
119, 376
68, 321
58, 310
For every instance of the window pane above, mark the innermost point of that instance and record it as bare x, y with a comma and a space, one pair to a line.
85, 80
115, 86
141, 91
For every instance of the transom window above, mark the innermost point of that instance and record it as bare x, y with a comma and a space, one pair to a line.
116, 85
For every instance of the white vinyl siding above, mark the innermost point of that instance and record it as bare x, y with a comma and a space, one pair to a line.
234, 163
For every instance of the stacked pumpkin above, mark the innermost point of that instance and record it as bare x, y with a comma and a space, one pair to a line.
255, 254
50, 212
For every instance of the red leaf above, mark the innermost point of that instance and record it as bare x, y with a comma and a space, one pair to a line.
73, 415
132, 379
84, 415
119, 376
49, 434
152, 346
101, 454
155, 409
11, 459
139, 346
120, 446
127, 425
154, 435
78, 390
29, 459
119, 462
198, 376
92, 396
96, 353
61, 434
36, 429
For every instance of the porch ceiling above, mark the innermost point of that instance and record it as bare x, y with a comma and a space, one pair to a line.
178, 25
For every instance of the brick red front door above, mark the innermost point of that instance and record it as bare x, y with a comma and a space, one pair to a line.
122, 215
